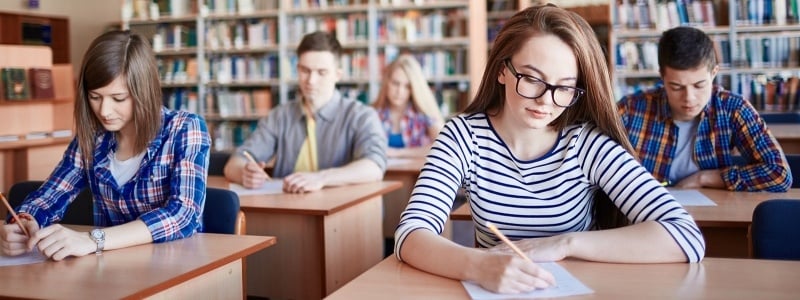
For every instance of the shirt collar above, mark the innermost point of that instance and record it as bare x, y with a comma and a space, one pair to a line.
328, 111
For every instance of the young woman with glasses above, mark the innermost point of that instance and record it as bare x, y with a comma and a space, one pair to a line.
540, 140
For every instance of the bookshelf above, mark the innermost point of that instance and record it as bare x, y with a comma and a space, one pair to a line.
761, 63
231, 61
35, 29
35, 152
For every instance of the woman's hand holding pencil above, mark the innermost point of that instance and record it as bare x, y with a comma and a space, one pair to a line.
513, 274
14, 237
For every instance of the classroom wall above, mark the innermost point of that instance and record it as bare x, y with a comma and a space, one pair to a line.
87, 19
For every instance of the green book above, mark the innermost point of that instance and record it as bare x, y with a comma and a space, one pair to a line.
15, 84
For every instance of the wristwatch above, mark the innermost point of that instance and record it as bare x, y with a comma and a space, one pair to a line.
99, 237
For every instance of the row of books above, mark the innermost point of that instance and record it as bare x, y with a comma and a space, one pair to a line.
413, 25
177, 70
662, 14
305, 4
226, 103
347, 28
37, 135
225, 69
174, 37
182, 99
155, 9
24, 84
239, 6
757, 12
754, 51
228, 135
250, 34
771, 93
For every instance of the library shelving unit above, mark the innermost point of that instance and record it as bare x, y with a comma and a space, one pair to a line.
31, 152
758, 47
231, 61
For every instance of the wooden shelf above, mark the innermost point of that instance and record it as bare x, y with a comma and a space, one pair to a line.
29, 101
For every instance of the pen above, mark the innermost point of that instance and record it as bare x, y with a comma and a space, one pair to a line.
14, 215
507, 241
249, 157
665, 183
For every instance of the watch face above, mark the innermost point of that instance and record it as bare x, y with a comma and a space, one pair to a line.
98, 234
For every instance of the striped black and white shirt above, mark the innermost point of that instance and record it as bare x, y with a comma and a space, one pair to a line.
546, 196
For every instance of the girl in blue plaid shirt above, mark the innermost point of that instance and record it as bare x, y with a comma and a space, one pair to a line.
145, 165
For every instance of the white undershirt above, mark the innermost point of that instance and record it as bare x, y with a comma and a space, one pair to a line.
123, 170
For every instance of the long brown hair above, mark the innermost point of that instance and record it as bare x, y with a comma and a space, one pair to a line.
422, 98
597, 106
114, 54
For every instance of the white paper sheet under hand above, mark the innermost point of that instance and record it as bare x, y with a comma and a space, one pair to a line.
269, 187
27, 258
691, 198
568, 285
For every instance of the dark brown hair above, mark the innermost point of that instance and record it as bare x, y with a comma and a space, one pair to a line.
320, 41
114, 54
685, 48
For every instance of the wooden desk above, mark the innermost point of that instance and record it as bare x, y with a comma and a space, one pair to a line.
406, 172
713, 278
724, 226
788, 135
200, 267
326, 238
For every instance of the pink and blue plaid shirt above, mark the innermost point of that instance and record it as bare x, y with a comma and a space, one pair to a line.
414, 126
167, 193
728, 123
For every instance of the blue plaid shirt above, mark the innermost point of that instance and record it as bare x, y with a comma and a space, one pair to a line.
167, 193
728, 124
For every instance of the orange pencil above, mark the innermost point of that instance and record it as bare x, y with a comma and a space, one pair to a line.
14, 215
507, 241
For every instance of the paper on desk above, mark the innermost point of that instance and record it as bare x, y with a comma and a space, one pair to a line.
269, 187
691, 198
27, 258
568, 285
393, 162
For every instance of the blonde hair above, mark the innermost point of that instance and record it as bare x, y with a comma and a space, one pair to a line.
114, 54
422, 98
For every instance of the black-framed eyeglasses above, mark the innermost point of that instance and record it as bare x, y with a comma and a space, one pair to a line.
530, 87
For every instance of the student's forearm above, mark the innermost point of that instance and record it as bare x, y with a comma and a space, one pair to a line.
362, 170
126, 235
711, 179
646, 242
429, 252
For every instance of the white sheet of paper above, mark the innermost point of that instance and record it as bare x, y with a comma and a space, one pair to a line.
269, 187
691, 198
398, 161
568, 285
27, 258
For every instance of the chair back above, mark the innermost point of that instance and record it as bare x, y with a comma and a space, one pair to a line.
781, 118
216, 163
775, 231
79, 212
794, 168
221, 213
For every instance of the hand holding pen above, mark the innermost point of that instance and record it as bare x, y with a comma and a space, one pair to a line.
253, 175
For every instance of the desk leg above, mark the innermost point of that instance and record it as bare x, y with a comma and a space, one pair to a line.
224, 282
314, 255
